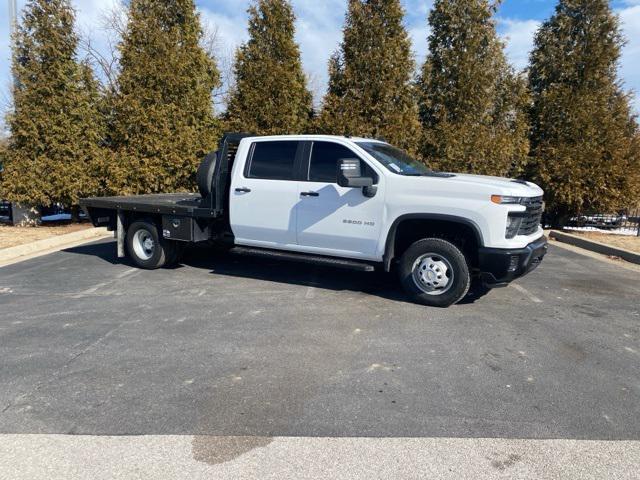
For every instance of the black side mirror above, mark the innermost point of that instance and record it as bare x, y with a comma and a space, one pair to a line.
350, 174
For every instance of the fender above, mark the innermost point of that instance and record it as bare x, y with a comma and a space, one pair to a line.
391, 235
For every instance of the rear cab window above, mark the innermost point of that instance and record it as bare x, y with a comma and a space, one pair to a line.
273, 160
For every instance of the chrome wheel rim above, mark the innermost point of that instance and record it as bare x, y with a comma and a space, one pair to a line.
433, 274
143, 244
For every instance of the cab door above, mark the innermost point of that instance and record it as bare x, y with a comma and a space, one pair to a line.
331, 219
264, 196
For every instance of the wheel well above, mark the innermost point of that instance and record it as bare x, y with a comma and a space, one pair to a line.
131, 217
146, 217
462, 235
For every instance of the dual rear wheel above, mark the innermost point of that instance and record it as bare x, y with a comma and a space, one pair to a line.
147, 249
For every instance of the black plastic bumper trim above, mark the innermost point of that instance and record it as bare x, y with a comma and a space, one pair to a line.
496, 267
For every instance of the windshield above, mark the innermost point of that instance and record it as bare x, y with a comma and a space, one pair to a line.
396, 160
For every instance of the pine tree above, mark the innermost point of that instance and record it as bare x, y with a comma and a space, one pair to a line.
270, 94
162, 110
473, 105
4, 144
584, 138
370, 78
54, 152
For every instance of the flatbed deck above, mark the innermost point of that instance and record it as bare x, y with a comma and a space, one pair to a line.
184, 204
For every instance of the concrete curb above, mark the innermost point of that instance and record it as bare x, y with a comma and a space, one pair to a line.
52, 244
595, 246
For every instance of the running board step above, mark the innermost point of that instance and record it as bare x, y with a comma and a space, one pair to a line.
306, 258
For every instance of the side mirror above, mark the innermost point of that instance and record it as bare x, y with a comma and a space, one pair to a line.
350, 174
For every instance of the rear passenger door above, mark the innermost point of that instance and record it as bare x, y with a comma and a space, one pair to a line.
265, 194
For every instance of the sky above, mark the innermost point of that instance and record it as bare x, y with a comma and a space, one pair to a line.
318, 31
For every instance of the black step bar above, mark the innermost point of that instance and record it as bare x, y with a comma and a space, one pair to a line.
346, 263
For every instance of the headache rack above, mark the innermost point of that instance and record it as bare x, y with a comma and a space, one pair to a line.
227, 149
532, 216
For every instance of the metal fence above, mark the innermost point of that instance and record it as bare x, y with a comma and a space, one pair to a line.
626, 222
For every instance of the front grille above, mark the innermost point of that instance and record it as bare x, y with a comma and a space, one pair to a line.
532, 216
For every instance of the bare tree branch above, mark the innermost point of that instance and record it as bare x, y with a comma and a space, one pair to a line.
113, 22
224, 58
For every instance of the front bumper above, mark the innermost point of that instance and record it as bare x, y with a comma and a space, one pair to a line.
500, 266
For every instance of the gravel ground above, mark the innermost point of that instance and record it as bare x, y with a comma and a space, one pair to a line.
13, 236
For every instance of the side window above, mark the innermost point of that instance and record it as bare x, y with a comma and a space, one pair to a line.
273, 160
323, 164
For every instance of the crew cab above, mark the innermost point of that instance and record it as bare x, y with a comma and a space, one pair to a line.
347, 202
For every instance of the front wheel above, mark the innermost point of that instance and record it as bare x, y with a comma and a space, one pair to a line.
434, 272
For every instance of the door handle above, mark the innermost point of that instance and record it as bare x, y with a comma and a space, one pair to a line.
310, 194
243, 190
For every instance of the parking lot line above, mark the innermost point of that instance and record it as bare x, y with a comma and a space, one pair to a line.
97, 287
526, 293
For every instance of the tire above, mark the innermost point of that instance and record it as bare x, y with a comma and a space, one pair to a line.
477, 289
434, 272
204, 177
146, 248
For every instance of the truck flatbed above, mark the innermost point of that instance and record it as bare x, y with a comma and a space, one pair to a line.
183, 204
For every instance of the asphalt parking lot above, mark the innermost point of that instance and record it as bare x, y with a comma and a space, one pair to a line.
240, 346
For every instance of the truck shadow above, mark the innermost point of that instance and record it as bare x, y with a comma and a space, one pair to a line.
104, 250
380, 284
229, 264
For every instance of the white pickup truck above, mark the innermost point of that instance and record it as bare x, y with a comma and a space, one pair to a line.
348, 202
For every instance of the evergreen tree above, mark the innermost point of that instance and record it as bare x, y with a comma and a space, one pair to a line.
162, 110
3, 159
270, 94
54, 151
4, 143
370, 78
584, 138
473, 105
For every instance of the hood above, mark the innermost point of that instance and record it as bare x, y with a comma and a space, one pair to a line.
503, 186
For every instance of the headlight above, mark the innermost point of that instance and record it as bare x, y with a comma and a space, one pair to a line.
505, 199
513, 225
